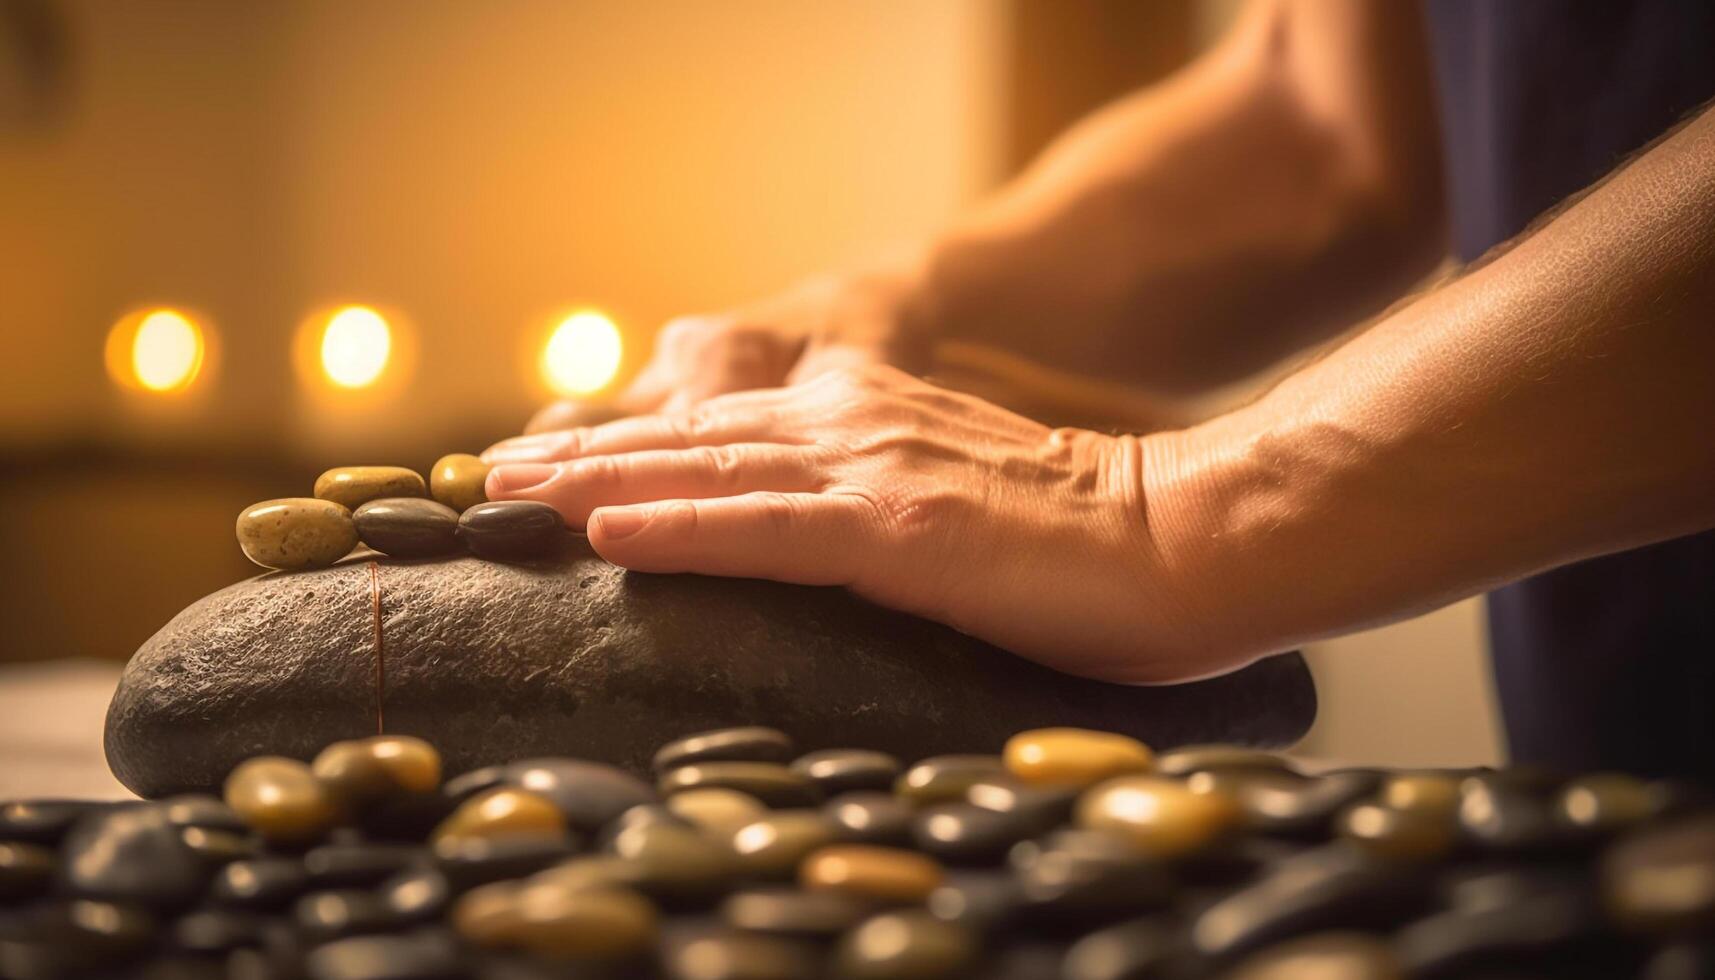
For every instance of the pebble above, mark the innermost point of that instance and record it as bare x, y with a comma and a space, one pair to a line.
353, 486
1485, 887
1661, 881
425, 955
1606, 802
131, 855
1161, 817
770, 782
752, 743
1457, 942
715, 809
487, 915
1421, 791
1137, 950
356, 865
887, 874
198, 810
324, 916
218, 847
407, 527
589, 794
1187, 759
641, 815
459, 481
790, 912
946, 778
741, 956
1079, 887
281, 799
359, 772
267, 883
43, 821
503, 812
1283, 804
296, 532
1039, 809
1405, 835
909, 945
512, 530
1326, 956
1073, 756
599, 924
417, 895
871, 818
771, 847
848, 770
1320, 890
26, 870
671, 862
215, 931
467, 861
1499, 817
961, 833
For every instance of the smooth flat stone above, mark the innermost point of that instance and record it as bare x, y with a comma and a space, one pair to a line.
871, 818
1283, 804
848, 770
1503, 818
512, 530
1037, 809
1661, 881
772, 847
357, 772
503, 812
268, 883
469, 861
905, 946
982, 902
329, 915
353, 486
43, 821
1161, 817
743, 956
1606, 802
459, 480
946, 778
216, 848
201, 810
1324, 890
26, 870
575, 648
672, 863
1067, 885
751, 743
1535, 929
131, 855
296, 532
791, 912
1073, 756
280, 799
357, 865
715, 809
770, 782
426, 955
1421, 791
1131, 950
887, 874
1187, 759
419, 895
960, 833
407, 527
589, 794
1404, 835
215, 931
597, 924
1329, 956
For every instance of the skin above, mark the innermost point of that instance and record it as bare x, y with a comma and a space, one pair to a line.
1550, 405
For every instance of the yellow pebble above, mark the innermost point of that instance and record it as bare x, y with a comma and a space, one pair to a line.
1161, 817
890, 874
459, 480
280, 799
504, 812
354, 486
1073, 756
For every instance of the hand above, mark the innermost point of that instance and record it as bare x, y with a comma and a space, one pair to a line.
828, 322
1042, 541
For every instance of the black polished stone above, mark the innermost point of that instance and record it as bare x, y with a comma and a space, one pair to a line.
871, 818
513, 530
749, 743
1142, 949
736, 955
589, 794
470, 861
946, 778
215, 931
848, 770
1661, 881
1038, 808
594, 661
44, 821
770, 782
26, 871
407, 527
961, 833
985, 901
1559, 930
323, 916
333, 866
201, 810
131, 854
264, 883
417, 895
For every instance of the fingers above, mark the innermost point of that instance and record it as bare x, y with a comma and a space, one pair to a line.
580, 486
749, 416
571, 414
803, 538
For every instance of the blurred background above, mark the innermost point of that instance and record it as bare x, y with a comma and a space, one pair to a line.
243, 242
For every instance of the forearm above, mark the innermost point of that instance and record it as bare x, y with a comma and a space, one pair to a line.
1553, 404
1200, 229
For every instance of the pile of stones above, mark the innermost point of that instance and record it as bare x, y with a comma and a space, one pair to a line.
1074, 854
393, 511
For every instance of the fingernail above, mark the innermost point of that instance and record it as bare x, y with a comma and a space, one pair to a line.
519, 477
621, 522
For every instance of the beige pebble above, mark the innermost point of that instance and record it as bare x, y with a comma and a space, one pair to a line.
296, 532
716, 809
354, 486
1161, 817
1073, 756
890, 874
280, 799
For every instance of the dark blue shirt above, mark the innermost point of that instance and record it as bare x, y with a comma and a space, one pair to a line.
1609, 663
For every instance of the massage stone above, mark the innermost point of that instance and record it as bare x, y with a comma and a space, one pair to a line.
569, 655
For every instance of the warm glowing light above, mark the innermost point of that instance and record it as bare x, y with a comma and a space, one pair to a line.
356, 344
582, 354
158, 351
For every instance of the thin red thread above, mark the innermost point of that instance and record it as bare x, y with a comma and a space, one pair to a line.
380, 656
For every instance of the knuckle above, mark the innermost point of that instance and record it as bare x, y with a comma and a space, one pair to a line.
720, 463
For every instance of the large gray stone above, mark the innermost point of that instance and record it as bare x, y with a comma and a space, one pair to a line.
572, 656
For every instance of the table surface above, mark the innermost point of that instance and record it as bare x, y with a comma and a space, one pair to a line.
51, 718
